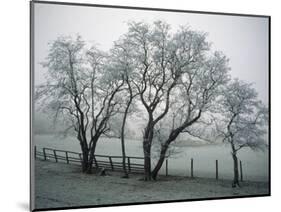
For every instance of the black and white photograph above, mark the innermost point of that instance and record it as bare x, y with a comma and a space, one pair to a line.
140, 105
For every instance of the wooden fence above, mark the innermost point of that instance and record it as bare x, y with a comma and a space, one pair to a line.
114, 163
133, 164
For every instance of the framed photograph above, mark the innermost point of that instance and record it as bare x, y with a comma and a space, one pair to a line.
134, 105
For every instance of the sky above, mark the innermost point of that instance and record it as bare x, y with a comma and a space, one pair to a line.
244, 40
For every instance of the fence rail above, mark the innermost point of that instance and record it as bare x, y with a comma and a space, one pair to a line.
114, 163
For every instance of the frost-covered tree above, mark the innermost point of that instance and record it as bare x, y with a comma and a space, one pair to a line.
81, 91
161, 58
242, 121
123, 63
194, 97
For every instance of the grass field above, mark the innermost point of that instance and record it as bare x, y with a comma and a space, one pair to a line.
62, 185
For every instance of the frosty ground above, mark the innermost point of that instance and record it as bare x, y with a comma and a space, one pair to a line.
62, 185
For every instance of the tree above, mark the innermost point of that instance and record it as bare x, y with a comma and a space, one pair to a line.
161, 132
160, 61
242, 122
194, 97
81, 91
123, 64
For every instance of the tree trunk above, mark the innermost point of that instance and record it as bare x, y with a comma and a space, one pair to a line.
173, 135
85, 152
147, 159
90, 162
91, 155
147, 141
126, 175
147, 163
236, 171
84, 161
160, 162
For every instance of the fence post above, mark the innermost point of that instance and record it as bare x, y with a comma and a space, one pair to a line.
129, 164
166, 167
217, 170
241, 172
110, 160
66, 155
80, 157
55, 154
191, 168
96, 162
44, 152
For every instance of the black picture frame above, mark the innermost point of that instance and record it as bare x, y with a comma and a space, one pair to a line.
32, 175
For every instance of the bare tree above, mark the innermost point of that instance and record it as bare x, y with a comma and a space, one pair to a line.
161, 59
122, 63
243, 120
81, 90
194, 96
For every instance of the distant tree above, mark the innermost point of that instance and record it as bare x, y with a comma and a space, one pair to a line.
242, 121
81, 91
